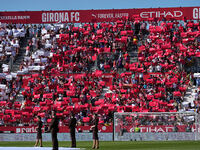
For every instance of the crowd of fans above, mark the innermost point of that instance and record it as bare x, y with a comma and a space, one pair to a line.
67, 65
156, 119
11, 37
154, 123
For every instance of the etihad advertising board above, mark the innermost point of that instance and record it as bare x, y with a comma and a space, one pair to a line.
105, 129
109, 15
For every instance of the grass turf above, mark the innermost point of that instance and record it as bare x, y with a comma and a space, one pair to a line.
155, 145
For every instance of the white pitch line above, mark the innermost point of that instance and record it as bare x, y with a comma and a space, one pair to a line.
37, 148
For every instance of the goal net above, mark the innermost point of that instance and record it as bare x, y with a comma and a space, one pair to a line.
153, 126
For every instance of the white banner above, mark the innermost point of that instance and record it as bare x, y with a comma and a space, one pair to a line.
170, 136
47, 137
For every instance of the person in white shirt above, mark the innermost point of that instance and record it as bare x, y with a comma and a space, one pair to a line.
150, 68
158, 68
10, 33
195, 94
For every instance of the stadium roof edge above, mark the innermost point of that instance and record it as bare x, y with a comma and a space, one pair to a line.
97, 9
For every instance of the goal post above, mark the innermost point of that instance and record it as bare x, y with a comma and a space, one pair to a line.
156, 126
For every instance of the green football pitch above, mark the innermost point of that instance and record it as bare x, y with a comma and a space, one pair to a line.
132, 145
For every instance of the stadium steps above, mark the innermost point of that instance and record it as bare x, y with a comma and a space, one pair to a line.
20, 97
134, 54
94, 67
1, 63
133, 57
105, 90
20, 56
189, 97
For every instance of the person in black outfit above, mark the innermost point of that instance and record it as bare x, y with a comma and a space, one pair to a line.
72, 126
94, 126
54, 130
39, 132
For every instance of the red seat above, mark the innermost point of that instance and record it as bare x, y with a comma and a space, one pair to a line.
106, 67
42, 103
170, 105
45, 108
69, 108
177, 93
150, 97
36, 109
123, 33
182, 89
59, 115
66, 99
66, 113
111, 108
28, 108
158, 95
59, 91
75, 100
70, 93
153, 104
17, 105
100, 101
49, 120
172, 110
97, 103
3, 103
41, 114
49, 95
6, 117
48, 102
17, 116
108, 95
93, 93
1, 115
86, 119
9, 111
37, 96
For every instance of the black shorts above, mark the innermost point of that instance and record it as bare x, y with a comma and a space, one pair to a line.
39, 135
95, 135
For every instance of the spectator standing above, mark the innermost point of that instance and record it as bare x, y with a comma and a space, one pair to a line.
137, 129
54, 130
72, 126
39, 132
95, 122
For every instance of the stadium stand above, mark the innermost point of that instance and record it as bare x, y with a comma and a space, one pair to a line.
92, 68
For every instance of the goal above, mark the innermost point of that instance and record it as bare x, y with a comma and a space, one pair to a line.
156, 126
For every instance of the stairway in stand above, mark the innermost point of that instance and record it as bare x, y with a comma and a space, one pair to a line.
20, 56
189, 96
